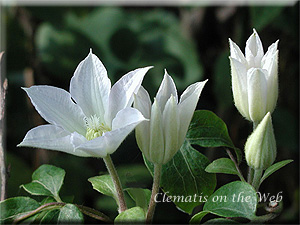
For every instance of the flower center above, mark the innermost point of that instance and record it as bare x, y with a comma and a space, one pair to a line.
94, 128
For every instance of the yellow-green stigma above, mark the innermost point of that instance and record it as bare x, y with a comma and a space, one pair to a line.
94, 128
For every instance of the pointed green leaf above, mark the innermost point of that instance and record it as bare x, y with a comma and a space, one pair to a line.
46, 180
104, 185
140, 196
208, 130
35, 188
236, 199
274, 168
185, 177
15, 207
196, 219
222, 165
70, 214
133, 215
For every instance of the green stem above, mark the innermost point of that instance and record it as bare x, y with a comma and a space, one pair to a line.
45, 206
94, 213
250, 175
155, 189
256, 178
84, 209
236, 165
113, 173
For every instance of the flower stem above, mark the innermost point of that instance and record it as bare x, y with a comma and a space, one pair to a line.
113, 173
155, 189
256, 178
250, 175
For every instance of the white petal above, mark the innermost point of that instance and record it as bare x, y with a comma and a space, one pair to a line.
166, 89
239, 86
257, 94
267, 58
156, 152
90, 86
127, 116
270, 59
170, 127
272, 80
236, 53
142, 102
254, 50
52, 137
56, 106
109, 142
187, 106
121, 95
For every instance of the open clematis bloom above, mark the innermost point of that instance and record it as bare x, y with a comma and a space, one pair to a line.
162, 136
93, 119
254, 78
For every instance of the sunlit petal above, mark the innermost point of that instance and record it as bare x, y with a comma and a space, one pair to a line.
56, 106
90, 86
52, 137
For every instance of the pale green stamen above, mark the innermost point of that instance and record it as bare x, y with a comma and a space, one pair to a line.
94, 128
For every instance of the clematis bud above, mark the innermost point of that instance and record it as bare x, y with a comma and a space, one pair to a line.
162, 136
260, 148
254, 78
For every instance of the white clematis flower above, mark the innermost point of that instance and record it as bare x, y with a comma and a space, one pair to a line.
93, 119
254, 78
161, 137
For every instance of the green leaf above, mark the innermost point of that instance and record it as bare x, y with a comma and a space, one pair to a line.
14, 207
104, 185
184, 177
35, 188
50, 217
221, 221
274, 168
236, 199
70, 214
208, 130
46, 180
196, 219
133, 215
222, 165
140, 196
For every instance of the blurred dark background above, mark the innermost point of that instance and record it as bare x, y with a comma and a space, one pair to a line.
45, 44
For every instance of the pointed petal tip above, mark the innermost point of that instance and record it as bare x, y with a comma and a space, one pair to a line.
24, 88
20, 145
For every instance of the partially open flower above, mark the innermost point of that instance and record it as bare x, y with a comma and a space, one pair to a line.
93, 119
161, 137
254, 78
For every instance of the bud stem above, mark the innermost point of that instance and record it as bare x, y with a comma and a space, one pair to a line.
250, 175
256, 178
155, 189
113, 173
